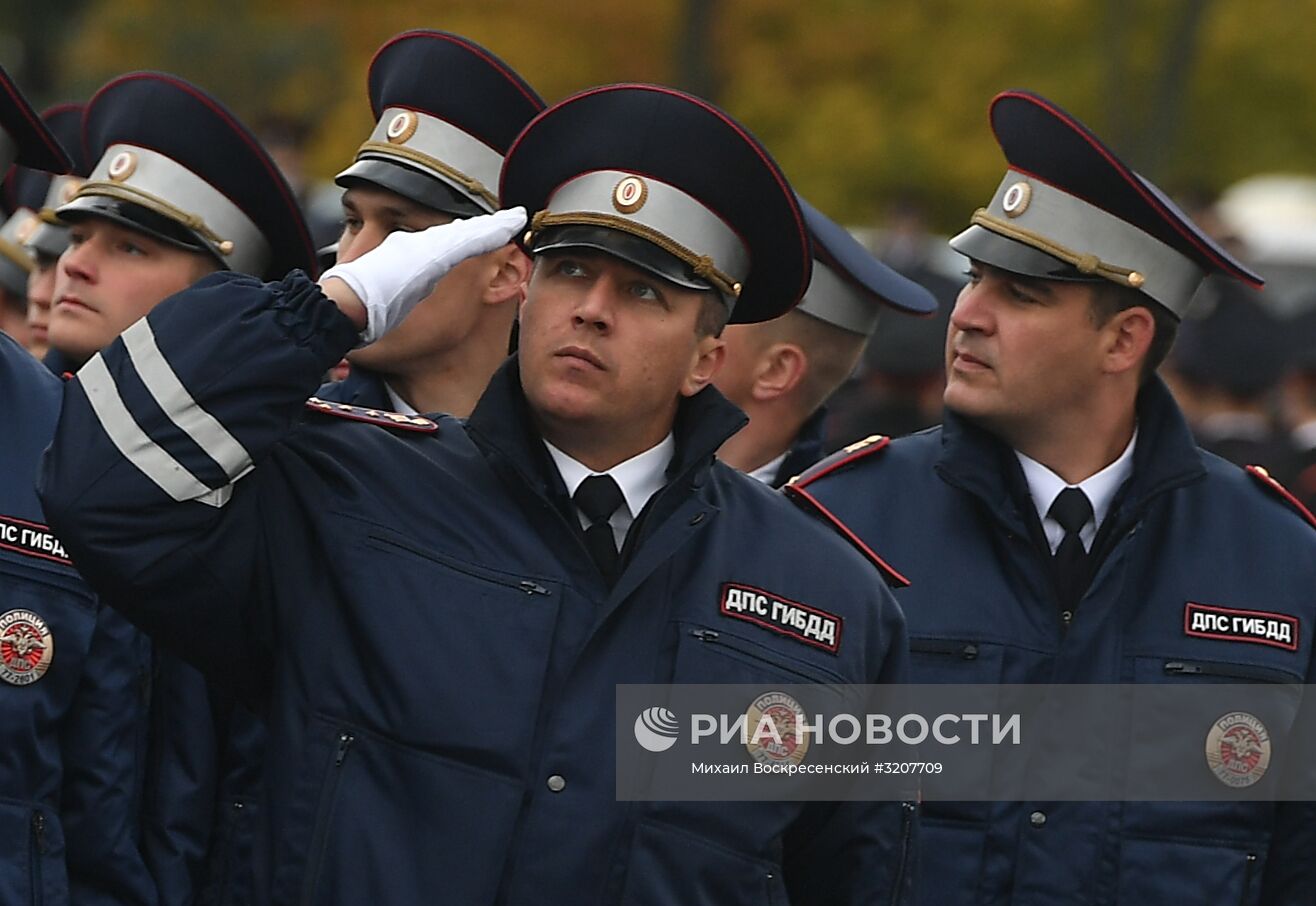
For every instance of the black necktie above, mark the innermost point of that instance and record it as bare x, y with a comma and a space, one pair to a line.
1072, 510
598, 497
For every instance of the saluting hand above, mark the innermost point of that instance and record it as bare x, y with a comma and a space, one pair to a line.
380, 288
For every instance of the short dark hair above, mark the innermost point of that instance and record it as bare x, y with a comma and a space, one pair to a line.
713, 315
1109, 299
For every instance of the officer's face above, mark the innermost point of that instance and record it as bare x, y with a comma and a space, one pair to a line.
1021, 353
40, 294
108, 278
446, 316
608, 350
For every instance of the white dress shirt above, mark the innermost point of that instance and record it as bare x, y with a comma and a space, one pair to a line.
767, 472
639, 478
1044, 486
399, 404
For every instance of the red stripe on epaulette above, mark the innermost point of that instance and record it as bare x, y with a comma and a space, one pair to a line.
857, 450
1261, 475
892, 576
373, 416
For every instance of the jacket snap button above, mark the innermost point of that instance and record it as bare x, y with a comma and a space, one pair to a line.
557, 783
1037, 819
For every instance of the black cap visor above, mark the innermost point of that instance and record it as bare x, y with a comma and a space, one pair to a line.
632, 249
409, 183
49, 239
138, 218
13, 277
981, 244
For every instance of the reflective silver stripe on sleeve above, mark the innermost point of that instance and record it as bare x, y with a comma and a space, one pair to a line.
178, 404
135, 445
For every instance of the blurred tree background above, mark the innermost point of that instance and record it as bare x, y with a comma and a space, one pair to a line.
863, 102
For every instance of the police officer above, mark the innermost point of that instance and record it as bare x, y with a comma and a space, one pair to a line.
24, 189
1060, 526
436, 614
781, 372
180, 189
71, 716
47, 238
447, 111
1227, 363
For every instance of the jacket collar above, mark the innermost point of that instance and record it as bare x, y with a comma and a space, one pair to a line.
808, 447
363, 387
1165, 456
502, 425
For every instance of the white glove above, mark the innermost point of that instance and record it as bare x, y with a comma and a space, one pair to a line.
393, 277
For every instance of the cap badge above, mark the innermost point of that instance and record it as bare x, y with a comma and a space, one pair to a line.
26, 647
1016, 199
630, 195
402, 127
123, 165
1238, 749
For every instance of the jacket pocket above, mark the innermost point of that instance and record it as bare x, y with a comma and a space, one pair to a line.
416, 625
950, 860
668, 866
1227, 672
398, 824
1171, 871
707, 655
945, 660
31, 855
467, 568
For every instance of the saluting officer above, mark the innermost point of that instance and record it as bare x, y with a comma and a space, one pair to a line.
781, 372
71, 714
435, 615
1061, 526
447, 111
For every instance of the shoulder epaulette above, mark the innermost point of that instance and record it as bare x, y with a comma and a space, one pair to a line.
841, 458
373, 416
1266, 481
796, 489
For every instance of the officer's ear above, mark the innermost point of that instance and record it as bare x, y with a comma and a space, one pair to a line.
1126, 339
709, 354
509, 274
780, 369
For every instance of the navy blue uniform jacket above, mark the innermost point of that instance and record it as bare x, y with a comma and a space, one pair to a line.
73, 680
948, 509
427, 633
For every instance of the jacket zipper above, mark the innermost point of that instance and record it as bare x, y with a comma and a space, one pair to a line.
965, 650
320, 838
529, 586
713, 637
38, 850
907, 810
1248, 867
1229, 671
